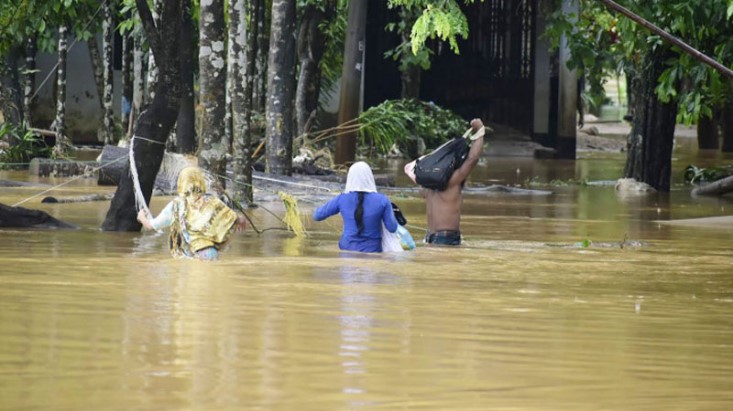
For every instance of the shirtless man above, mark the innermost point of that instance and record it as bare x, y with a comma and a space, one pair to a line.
444, 207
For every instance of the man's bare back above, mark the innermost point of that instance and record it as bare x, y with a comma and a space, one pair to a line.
443, 208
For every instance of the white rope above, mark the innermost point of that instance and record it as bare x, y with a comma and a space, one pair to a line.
67, 182
140, 203
292, 183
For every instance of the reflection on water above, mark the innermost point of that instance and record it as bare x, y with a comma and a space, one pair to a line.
522, 317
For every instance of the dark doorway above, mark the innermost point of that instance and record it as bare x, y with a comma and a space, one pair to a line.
381, 75
492, 78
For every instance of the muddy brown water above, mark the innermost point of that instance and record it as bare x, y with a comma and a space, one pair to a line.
519, 318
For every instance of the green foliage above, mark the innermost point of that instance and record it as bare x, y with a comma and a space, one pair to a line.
399, 121
443, 19
694, 174
597, 51
404, 52
333, 57
602, 42
24, 145
21, 19
699, 88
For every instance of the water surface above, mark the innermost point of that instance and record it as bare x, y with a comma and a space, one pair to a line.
522, 317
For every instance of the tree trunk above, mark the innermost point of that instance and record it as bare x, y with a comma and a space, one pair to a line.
238, 63
151, 68
19, 217
263, 42
212, 85
726, 124
349, 100
311, 46
280, 88
63, 144
96, 59
632, 91
138, 86
716, 188
186, 122
128, 47
151, 72
243, 170
156, 121
707, 134
411, 77
30, 80
108, 29
652, 136
10, 97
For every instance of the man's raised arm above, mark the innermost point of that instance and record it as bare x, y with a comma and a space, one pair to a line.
477, 149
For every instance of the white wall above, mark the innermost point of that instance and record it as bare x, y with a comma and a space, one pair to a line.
83, 110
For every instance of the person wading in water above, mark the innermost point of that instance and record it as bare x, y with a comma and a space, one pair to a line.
200, 223
443, 207
363, 211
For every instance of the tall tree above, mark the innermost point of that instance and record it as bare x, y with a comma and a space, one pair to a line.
63, 143
213, 145
139, 96
108, 32
10, 98
186, 122
128, 48
238, 63
311, 47
263, 42
151, 65
281, 88
652, 136
726, 125
30, 79
664, 77
154, 124
34, 25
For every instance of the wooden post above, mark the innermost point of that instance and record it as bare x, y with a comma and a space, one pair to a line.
349, 100
567, 95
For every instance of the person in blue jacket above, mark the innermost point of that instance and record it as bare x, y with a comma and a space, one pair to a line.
363, 211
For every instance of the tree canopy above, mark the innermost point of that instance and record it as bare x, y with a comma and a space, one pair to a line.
602, 41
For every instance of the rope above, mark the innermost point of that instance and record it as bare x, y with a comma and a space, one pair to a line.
287, 182
292, 213
140, 203
67, 182
53, 70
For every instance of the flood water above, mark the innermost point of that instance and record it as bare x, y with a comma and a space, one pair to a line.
522, 317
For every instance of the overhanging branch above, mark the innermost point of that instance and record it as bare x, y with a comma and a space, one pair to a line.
670, 38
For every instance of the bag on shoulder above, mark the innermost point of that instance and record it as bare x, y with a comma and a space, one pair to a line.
435, 169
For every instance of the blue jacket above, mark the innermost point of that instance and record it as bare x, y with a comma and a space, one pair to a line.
377, 209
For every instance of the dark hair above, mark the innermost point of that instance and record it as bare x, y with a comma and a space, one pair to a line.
359, 213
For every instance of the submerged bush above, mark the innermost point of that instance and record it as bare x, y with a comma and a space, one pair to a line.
402, 122
696, 175
20, 145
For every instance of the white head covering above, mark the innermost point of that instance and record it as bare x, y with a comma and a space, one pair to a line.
360, 178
